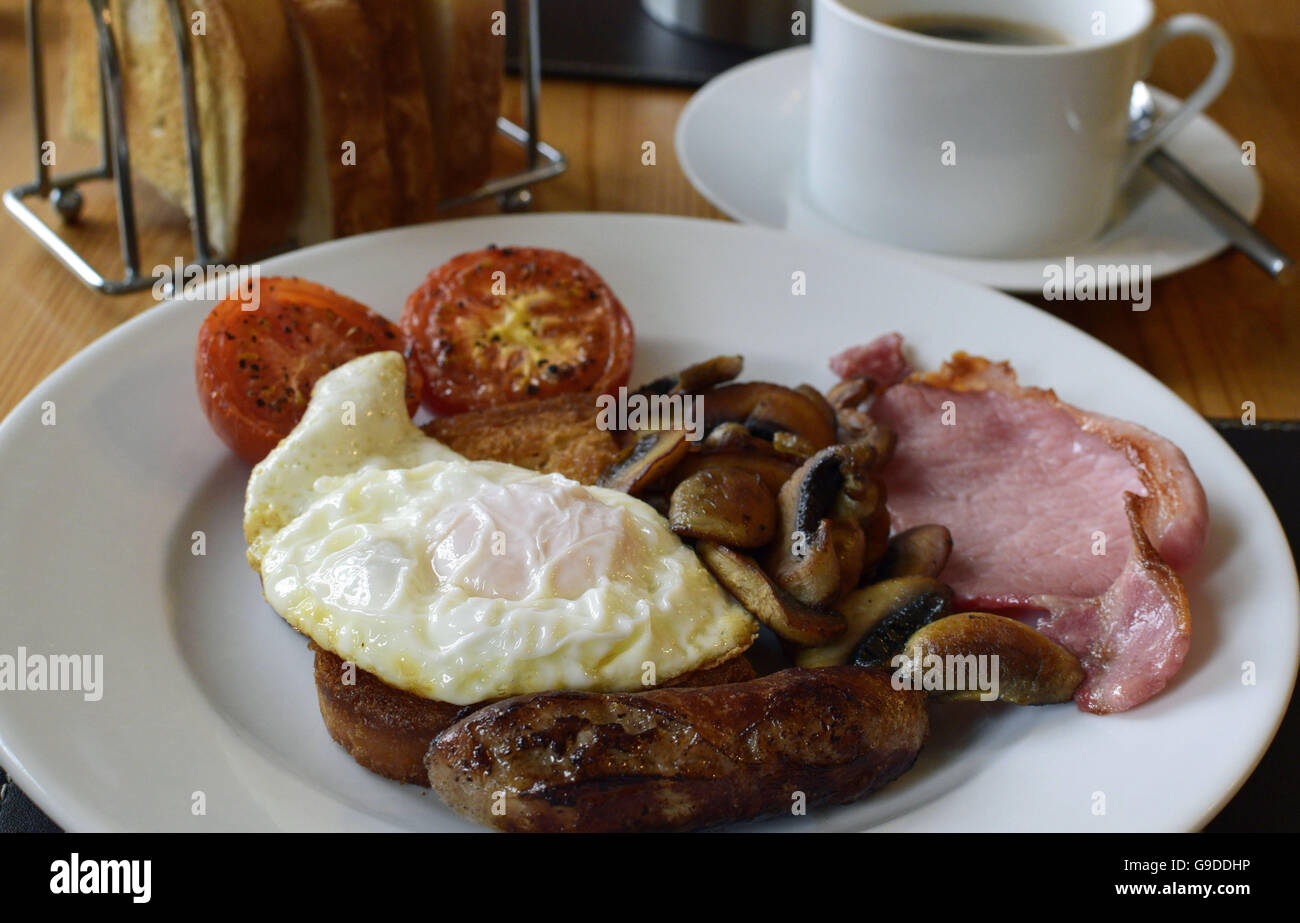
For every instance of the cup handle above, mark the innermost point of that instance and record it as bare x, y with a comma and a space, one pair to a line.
1169, 125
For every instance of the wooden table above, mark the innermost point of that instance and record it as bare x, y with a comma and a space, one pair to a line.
1220, 334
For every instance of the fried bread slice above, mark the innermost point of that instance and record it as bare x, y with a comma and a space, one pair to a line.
554, 434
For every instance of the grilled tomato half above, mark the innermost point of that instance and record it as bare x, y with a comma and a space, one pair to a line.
260, 352
507, 324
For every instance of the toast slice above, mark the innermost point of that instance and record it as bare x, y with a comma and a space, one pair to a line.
411, 150
462, 62
318, 118
250, 103
554, 434
346, 172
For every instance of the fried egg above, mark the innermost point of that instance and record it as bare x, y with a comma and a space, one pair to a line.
464, 581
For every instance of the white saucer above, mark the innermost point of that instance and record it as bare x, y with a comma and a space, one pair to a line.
740, 142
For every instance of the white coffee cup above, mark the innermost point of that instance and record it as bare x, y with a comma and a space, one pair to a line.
980, 149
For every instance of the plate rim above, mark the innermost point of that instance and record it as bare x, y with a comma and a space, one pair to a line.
65, 813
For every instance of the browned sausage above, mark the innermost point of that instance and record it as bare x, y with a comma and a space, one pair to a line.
389, 730
678, 758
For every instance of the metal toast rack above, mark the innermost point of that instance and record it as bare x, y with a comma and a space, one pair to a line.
512, 192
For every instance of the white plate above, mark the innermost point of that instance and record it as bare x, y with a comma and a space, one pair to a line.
206, 690
740, 142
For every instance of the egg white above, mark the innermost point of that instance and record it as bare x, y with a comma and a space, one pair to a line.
466, 581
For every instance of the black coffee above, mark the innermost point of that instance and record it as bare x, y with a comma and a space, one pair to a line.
983, 30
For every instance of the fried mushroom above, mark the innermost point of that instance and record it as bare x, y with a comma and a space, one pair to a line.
696, 378
645, 462
1032, 668
788, 618
767, 409
886, 613
921, 551
730, 506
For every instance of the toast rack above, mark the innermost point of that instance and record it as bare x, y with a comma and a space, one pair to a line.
512, 191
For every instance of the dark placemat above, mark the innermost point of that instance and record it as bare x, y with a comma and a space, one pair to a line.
18, 814
617, 40
1268, 800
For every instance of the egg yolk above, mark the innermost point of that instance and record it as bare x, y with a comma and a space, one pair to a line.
518, 541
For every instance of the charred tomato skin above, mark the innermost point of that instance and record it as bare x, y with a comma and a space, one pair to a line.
506, 324
255, 368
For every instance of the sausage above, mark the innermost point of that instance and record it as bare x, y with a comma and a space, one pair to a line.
678, 758
389, 730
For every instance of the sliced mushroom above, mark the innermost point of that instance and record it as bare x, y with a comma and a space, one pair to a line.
880, 437
766, 409
894, 610
727, 505
850, 551
696, 378
786, 410
816, 397
734, 436
774, 469
1032, 668
852, 400
808, 566
831, 487
786, 616
864, 610
861, 496
862, 500
810, 493
858, 458
793, 445
803, 561
921, 551
853, 393
645, 461
875, 532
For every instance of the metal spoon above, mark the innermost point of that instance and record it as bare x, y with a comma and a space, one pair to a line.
1141, 115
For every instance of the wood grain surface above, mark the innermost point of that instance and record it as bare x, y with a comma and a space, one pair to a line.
1220, 334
